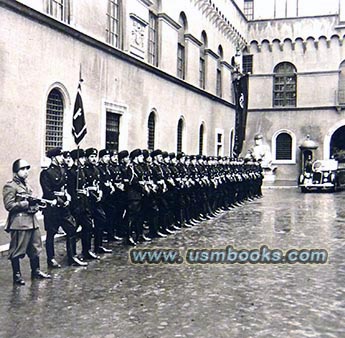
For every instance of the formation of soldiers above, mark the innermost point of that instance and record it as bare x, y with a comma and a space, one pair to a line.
137, 196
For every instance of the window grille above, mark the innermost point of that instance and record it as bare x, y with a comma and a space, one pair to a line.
151, 131
247, 64
59, 9
112, 131
201, 139
113, 17
153, 40
54, 120
283, 147
249, 9
179, 135
284, 91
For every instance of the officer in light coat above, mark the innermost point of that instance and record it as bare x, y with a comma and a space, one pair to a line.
22, 223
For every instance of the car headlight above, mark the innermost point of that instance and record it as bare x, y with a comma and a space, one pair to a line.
326, 174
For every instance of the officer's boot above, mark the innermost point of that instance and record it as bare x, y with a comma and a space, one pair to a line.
36, 273
17, 276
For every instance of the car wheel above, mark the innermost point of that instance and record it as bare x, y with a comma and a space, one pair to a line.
304, 190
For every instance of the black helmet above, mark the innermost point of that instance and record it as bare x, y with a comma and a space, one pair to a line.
19, 164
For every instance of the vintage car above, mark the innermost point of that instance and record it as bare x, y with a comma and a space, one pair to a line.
324, 175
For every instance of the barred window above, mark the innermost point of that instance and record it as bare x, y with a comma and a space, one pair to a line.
112, 131
284, 92
113, 24
153, 40
284, 147
181, 52
151, 131
59, 9
54, 120
179, 135
247, 64
201, 139
248, 10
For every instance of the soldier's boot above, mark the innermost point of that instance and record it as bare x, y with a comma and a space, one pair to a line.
71, 246
36, 273
17, 276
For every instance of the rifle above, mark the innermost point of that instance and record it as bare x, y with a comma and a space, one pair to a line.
40, 202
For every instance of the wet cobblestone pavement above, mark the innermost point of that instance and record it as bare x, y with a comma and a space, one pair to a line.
113, 298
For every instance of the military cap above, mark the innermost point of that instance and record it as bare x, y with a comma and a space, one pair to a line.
135, 153
19, 164
91, 151
172, 155
146, 153
198, 157
258, 136
210, 158
204, 157
165, 154
104, 152
66, 154
122, 154
219, 158
77, 153
156, 152
180, 155
192, 157
54, 152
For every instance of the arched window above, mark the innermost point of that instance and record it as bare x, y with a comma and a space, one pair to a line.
181, 50
179, 134
283, 147
284, 88
151, 124
54, 120
114, 23
59, 9
202, 61
201, 139
341, 94
219, 85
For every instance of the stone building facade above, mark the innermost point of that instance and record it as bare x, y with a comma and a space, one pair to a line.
158, 74
296, 59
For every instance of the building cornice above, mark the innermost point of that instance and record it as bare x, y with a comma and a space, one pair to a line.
166, 18
285, 109
139, 19
320, 72
147, 3
193, 39
67, 30
211, 53
293, 18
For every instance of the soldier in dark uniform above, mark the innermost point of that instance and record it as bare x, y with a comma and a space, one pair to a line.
135, 194
22, 223
118, 169
108, 202
80, 207
95, 198
54, 183
67, 159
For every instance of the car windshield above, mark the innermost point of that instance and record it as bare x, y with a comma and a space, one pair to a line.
323, 165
